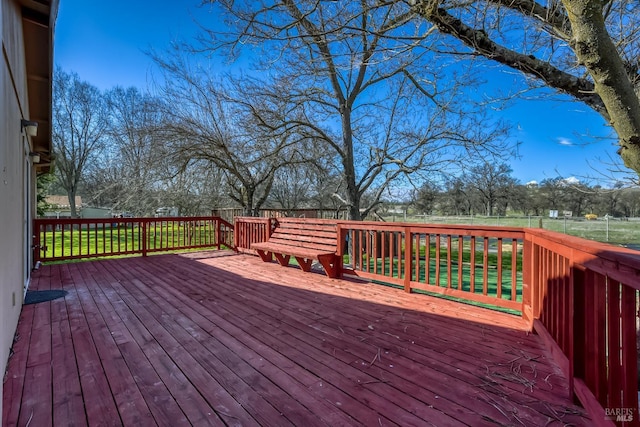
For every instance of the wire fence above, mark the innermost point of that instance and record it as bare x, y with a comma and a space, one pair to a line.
619, 231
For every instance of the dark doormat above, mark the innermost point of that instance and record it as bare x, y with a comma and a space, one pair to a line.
34, 297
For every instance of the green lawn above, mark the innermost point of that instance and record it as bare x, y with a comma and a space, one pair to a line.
464, 284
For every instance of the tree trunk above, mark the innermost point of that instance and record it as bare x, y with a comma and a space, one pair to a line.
348, 163
248, 209
595, 50
71, 194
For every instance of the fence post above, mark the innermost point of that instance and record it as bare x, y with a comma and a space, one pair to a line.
144, 237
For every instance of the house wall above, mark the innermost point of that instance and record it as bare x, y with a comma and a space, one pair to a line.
13, 107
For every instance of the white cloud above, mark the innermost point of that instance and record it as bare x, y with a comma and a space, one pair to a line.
571, 180
564, 141
533, 183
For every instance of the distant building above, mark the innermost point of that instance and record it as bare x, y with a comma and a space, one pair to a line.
166, 211
58, 207
89, 212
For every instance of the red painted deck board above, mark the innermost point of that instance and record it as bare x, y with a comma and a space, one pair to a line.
222, 339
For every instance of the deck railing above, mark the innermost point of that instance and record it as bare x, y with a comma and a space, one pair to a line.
64, 239
251, 230
479, 264
580, 296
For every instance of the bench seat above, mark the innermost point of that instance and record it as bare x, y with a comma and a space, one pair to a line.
304, 239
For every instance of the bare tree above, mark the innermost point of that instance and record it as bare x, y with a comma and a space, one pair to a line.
193, 189
291, 188
426, 197
491, 183
205, 119
456, 200
552, 193
587, 49
630, 202
137, 151
80, 123
577, 197
126, 175
357, 78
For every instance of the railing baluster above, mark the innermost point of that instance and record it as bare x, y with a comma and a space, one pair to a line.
449, 270
514, 269
485, 266
499, 269
437, 259
427, 259
472, 255
417, 248
383, 252
408, 247
460, 263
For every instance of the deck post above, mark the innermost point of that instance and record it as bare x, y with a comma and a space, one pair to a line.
143, 225
527, 281
339, 250
218, 232
269, 227
236, 233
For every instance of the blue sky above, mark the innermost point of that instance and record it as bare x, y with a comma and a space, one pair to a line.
105, 43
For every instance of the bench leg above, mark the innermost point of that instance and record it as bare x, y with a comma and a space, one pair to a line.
265, 255
330, 265
305, 264
283, 260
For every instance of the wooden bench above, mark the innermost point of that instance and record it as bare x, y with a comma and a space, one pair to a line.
304, 239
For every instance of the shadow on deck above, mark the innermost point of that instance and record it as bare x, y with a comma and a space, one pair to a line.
224, 339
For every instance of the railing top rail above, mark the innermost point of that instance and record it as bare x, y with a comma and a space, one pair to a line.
252, 219
291, 219
449, 229
619, 263
129, 219
572, 243
223, 222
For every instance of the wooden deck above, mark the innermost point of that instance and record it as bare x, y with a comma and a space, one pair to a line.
225, 339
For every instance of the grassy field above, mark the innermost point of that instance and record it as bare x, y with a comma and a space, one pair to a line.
619, 232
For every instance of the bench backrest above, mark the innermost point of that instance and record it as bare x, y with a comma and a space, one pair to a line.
318, 234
